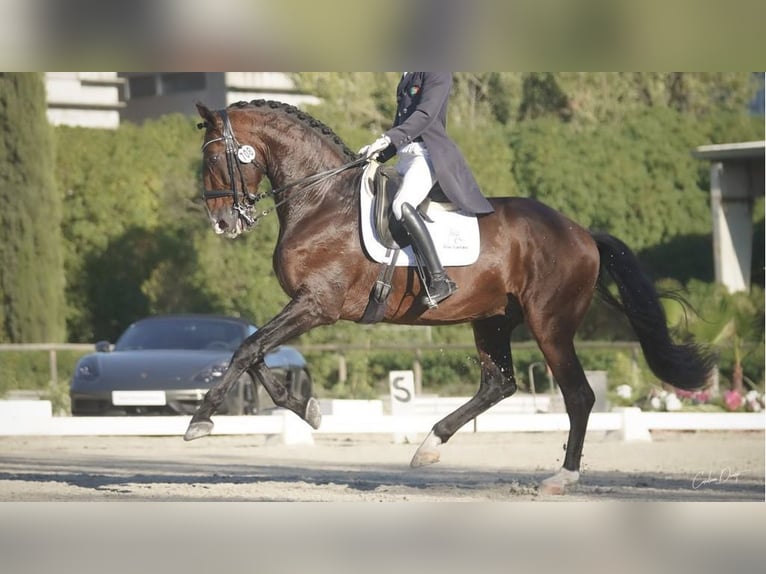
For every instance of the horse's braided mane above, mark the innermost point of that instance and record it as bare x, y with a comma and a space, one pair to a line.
325, 131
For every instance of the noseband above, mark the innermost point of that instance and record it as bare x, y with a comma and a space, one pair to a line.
236, 156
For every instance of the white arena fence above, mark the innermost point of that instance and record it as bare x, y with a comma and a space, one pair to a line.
34, 418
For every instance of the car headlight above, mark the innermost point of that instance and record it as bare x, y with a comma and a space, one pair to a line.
87, 369
212, 373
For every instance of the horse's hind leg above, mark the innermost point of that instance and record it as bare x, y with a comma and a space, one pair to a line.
578, 399
493, 342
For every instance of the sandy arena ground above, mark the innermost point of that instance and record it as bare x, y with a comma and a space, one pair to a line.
675, 466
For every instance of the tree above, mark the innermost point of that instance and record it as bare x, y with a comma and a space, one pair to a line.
731, 323
352, 100
366, 101
481, 98
586, 97
31, 268
542, 95
129, 206
635, 178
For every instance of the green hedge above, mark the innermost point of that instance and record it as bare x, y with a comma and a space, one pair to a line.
456, 372
30, 371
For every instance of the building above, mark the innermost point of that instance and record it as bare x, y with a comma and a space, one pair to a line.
86, 99
151, 94
104, 99
736, 179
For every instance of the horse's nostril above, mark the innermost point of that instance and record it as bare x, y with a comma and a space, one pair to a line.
222, 224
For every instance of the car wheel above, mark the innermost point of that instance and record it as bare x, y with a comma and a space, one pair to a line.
240, 400
302, 385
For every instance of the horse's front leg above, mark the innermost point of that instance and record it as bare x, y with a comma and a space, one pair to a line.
307, 408
296, 318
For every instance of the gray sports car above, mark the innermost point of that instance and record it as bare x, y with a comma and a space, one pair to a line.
166, 364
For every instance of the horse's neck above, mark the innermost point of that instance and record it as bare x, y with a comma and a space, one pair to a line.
292, 167
292, 157
304, 159
334, 197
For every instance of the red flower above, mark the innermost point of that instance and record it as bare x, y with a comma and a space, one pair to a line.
732, 400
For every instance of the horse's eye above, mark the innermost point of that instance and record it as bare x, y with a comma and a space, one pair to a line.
213, 159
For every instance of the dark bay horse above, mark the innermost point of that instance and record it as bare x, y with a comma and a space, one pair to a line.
535, 266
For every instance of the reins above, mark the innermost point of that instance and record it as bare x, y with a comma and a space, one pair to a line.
238, 155
307, 182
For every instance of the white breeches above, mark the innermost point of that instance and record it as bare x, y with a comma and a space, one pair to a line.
417, 172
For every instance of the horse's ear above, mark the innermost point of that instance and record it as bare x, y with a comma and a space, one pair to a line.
206, 114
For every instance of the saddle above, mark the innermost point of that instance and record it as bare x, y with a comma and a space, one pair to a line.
385, 241
384, 186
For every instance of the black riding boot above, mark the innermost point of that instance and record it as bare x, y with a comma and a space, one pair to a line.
440, 286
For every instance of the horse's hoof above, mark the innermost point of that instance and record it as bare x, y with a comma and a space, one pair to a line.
557, 484
553, 489
198, 429
424, 458
313, 414
427, 453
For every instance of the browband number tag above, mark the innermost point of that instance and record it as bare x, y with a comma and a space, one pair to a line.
246, 154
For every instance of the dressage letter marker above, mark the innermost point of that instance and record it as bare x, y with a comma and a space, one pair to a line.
402, 385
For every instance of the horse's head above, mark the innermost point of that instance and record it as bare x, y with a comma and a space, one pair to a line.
230, 173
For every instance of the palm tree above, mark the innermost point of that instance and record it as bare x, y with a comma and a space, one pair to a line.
731, 323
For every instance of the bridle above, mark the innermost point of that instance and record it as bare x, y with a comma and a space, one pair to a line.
238, 155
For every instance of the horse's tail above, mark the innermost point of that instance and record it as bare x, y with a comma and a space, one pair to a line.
685, 366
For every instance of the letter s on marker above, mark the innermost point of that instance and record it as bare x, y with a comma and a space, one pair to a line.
406, 396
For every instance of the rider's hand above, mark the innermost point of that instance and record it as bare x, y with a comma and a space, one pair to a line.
372, 150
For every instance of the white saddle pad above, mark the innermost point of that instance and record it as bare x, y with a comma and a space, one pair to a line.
455, 234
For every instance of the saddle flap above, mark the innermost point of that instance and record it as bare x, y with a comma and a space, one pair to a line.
384, 187
385, 183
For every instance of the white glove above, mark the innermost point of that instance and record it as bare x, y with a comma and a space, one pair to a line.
372, 150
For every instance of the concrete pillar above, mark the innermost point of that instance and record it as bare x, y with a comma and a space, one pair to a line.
731, 203
737, 175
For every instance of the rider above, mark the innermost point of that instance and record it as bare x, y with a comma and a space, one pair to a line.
427, 155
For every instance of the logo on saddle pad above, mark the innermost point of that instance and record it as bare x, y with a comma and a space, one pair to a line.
455, 234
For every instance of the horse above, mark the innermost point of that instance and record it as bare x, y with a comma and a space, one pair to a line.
535, 266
